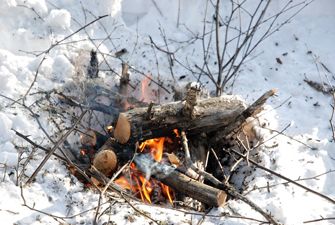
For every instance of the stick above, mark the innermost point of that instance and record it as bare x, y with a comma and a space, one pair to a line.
59, 142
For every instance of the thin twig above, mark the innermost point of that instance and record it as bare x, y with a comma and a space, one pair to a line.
287, 182
139, 211
25, 137
332, 117
54, 216
73, 33
35, 78
217, 159
318, 220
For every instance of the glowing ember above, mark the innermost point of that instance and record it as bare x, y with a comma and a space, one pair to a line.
175, 131
137, 183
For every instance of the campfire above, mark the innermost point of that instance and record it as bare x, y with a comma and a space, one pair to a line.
167, 153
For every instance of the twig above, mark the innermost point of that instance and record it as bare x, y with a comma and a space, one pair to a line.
272, 137
148, 77
285, 135
30, 156
232, 169
59, 142
218, 56
139, 211
203, 217
35, 78
217, 160
224, 214
36, 210
54, 216
95, 221
67, 37
25, 137
332, 117
287, 182
283, 177
32, 9
114, 177
156, 6
318, 220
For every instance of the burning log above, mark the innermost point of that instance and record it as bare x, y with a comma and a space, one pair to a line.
180, 182
207, 115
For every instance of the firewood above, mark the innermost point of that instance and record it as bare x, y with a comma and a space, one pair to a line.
105, 161
207, 115
122, 130
179, 182
240, 120
93, 138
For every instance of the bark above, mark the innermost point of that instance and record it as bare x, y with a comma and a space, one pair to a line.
207, 115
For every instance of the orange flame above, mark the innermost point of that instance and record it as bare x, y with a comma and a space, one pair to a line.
123, 182
175, 131
143, 187
155, 146
145, 95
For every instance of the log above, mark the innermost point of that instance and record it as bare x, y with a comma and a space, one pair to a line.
240, 120
92, 138
106, 162
207, 115
179, 182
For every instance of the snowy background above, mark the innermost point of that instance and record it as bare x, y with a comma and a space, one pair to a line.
305, 150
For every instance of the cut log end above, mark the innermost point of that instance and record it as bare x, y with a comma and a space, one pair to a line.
122, 129
221, 199
88, 138
106, 162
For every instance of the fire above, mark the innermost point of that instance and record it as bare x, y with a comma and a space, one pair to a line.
145, 93
136, 181
155, 147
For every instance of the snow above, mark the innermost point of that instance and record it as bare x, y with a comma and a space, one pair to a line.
29, 27
59, 19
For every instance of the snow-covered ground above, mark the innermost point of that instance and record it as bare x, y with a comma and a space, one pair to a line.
306, 150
